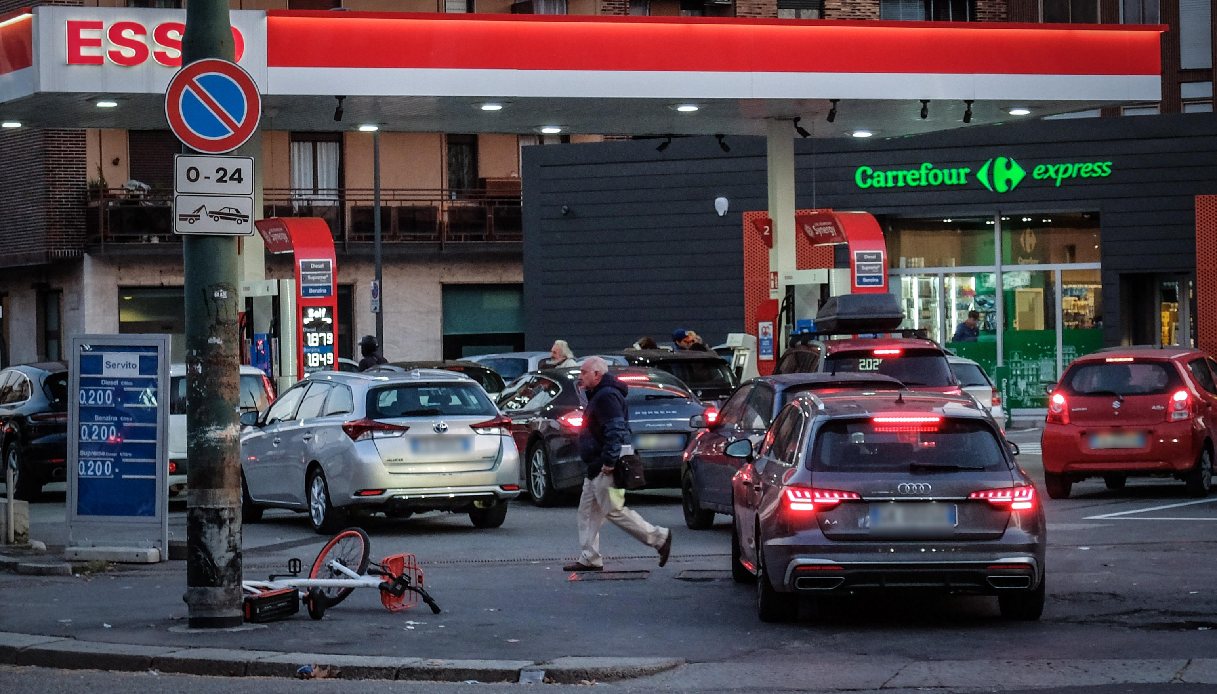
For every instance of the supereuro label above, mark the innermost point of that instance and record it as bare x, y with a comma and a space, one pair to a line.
997, 175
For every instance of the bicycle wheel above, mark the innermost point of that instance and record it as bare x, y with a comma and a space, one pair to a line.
349, 548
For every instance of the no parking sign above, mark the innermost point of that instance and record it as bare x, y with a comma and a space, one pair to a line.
213, 106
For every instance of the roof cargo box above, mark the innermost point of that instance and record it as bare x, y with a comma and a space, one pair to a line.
859, 313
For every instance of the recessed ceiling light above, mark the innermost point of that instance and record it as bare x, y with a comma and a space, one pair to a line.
550, 130
10, 124
862, 133
491, 107
687, 108
368, 128
1020, 111
106, 103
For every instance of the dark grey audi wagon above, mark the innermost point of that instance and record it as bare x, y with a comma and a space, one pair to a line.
860, 491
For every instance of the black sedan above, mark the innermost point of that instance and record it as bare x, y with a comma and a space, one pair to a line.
705, 480
490, 380
34, 424
546, 411
708, 375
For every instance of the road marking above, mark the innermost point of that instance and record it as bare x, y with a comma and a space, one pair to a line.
1106, 516
1030, 448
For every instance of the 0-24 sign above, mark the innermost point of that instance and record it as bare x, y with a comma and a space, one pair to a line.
213, 175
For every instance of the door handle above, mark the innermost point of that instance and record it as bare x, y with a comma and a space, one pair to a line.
275, 441
307, 437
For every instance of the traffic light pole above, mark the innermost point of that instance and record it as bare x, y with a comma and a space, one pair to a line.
213, 521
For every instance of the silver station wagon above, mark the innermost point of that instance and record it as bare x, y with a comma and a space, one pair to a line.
396, 443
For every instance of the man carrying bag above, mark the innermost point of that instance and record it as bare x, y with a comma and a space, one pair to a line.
605, 433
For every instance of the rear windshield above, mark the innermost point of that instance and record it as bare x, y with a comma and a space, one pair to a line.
969, 375
650, 392
253, 394
429, 400
700, 375
1121, 378
509, 368
491, 381
863, 445
56, 387
913, 367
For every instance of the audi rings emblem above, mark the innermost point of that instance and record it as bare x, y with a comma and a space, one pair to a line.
913, 488
440, 427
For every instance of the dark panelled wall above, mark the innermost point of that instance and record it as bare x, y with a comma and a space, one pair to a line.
641, 251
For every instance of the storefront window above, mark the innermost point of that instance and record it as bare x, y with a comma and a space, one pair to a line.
1039, 238
942, 242
920, 298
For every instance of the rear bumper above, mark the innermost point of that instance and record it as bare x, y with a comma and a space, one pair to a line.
433, 499
1170, 449
991, 576
46, 457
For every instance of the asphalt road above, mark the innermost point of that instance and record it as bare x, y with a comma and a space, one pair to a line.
1130, 580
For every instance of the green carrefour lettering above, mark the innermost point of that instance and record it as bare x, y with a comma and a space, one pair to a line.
1061, 172
922, 176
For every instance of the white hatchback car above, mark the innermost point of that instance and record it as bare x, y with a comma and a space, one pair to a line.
975, 382
392, 442
256, 394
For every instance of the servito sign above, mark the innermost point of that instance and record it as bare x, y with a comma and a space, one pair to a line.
997, 175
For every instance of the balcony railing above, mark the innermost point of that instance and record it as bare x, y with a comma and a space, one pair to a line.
432, 217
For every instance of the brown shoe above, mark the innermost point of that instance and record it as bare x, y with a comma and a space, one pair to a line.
665, 549
580, 566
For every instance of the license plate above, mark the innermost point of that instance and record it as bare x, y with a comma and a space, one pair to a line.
439, 445
906, 515
1124, 439
659, 442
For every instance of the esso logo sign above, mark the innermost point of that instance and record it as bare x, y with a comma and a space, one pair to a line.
130, 44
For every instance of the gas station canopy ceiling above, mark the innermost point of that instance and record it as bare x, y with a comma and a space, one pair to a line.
601, 75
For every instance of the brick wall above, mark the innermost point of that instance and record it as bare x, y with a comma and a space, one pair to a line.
991, 10
756, 8
851, 9
614, 7
43, 206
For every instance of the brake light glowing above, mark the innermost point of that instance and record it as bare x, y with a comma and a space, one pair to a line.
364, 429
893, 423
1180, 406
572, 420
995, 401
711, 415
173, 467
810, 499
498, 426
1017, 498
1058, 409
887, 352
633, 378
1118, 360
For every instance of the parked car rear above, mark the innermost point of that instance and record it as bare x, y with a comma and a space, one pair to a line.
975, 382
706, 374
34, 425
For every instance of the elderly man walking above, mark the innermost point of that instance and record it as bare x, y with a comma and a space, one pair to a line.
605, 431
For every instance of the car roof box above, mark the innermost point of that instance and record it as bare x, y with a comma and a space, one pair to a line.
859, 313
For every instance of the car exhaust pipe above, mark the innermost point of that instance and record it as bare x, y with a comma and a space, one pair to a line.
1010, 582
818, 582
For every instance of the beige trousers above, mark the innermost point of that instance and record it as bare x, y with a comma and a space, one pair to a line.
602, 501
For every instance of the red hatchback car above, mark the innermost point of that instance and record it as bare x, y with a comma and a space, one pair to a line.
1142, 411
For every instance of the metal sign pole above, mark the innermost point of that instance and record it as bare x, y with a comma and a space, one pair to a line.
10, 535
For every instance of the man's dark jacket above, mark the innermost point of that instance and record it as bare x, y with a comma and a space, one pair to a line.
605, 425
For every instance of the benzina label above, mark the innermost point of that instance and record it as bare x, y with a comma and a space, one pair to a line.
997, 175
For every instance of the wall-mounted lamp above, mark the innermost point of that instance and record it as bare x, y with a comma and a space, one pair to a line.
722, 144
664, 145
925, 109
338, 108
832, 112
800, 129
967, 112
721, 205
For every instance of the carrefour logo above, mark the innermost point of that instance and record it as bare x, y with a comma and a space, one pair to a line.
997, 175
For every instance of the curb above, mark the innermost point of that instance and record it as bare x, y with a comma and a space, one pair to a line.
29, 566
71, 654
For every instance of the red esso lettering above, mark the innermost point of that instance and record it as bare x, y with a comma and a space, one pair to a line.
129, 43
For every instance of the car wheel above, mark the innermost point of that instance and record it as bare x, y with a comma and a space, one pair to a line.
250, 512
324, 518
1199, 479
540, 483
739, 573
696, 517
491, 516
1057, 486
1115, 482
1024, 605
26, 486
771, 606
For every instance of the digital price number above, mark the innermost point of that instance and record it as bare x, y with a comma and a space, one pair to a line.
317, 334
96, 468
98, 432
96, 396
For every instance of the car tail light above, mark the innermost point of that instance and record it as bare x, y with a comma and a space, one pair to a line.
498, 426
906, 422
363, 429
510, 487
1058, 409
50, 417
174, 466
889, 352
369, 492
995, 401
1015, 498
1180, 406
1118, 360
633, 378
811, 499
711, 415
572, 420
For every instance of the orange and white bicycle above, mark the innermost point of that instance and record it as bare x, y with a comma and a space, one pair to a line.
340, 568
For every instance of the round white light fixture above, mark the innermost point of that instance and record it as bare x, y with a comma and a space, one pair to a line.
550, 129
10, 124
1020, 111
106, 103
687, 108
862, 133
491, 107
368, 128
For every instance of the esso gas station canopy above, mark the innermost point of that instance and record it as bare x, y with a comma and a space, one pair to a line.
583, 74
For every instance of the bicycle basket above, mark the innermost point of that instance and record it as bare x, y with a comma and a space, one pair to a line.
401, 565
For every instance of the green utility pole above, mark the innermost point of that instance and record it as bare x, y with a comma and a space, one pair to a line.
213, 520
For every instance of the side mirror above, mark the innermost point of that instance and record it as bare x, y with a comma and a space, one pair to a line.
1014, 450
249, 419
698, 421
1048, 388
741, 448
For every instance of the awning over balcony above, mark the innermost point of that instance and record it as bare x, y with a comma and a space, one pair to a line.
584, 74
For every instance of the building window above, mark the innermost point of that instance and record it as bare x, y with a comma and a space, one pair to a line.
800, 9
923, 10
314, 4
1140, 12
1197, 97
539, 7
459, 6
144, 310
316, 166
1195, 34
462, 164
1070, 11
640, 8
50, 323
156, 4
150, 156
1143, 110
482, 319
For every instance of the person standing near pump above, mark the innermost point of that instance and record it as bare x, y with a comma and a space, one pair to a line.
560, 356
603, 440
370, 349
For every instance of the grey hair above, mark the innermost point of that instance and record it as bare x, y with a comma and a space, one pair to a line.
564, 349
596, 365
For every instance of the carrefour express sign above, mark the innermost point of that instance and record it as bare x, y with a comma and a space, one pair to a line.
997, 175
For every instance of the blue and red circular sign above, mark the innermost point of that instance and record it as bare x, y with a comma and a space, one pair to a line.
213, 106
